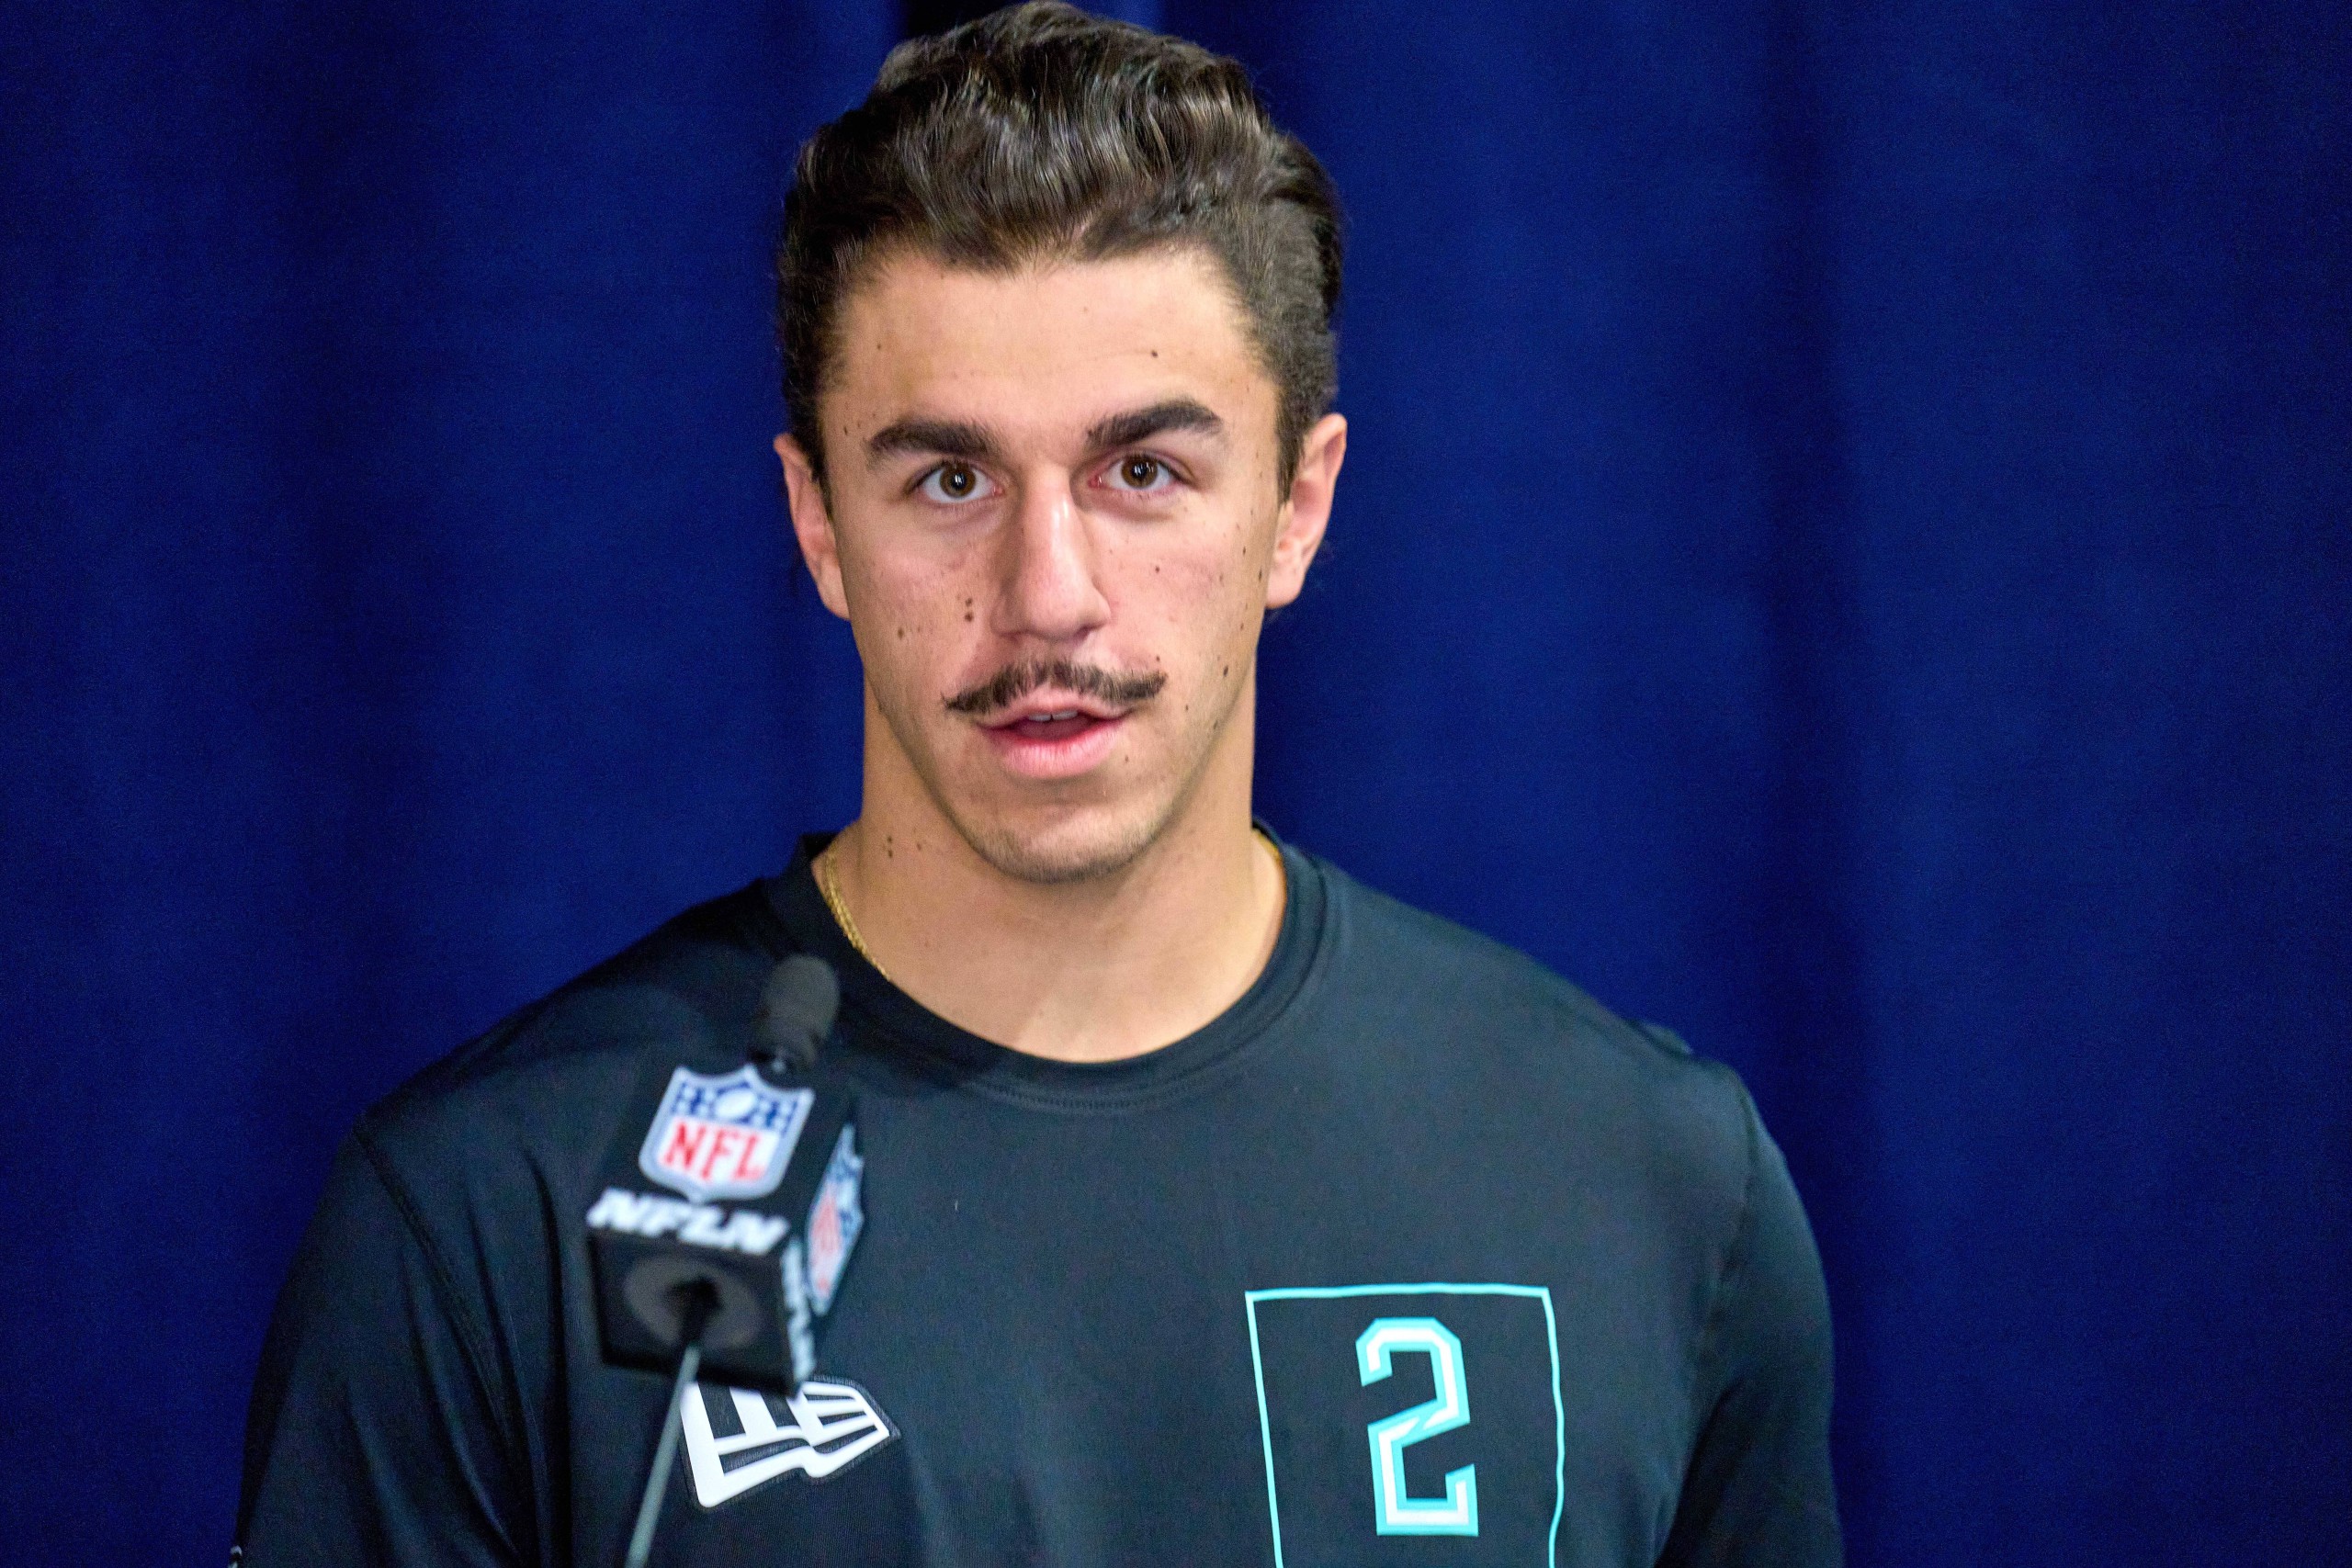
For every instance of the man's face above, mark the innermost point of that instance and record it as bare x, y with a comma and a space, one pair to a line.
1055, 529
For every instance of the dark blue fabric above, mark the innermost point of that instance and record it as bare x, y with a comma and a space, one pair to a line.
1844, 552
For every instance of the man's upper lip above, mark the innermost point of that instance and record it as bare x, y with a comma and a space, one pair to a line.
1045, 702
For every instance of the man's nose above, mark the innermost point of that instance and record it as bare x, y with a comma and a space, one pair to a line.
1051, 590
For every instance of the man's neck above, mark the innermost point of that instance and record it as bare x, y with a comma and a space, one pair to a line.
1090, 971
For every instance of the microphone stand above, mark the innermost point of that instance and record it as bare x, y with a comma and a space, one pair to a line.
700, 1302
659, 1296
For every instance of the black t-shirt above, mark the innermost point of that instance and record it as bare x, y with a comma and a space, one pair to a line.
1416, 1255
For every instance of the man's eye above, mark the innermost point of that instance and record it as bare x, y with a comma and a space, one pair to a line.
953, 483
1142, 474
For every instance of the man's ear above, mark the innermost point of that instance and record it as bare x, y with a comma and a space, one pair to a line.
812, 523
1306, 509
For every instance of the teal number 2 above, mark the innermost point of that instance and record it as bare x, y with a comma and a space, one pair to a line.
1393, 1513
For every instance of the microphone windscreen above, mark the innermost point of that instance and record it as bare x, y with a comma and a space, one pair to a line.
798, 1006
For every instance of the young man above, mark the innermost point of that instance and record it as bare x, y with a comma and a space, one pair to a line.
1222, 1210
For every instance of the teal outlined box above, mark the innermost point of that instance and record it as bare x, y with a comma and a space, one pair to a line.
1328, 1424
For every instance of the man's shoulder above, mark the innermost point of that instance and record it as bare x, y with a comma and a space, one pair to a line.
1440, 963
553, 1072
1454, 1003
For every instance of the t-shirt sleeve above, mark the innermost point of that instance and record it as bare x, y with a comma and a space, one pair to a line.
1758, 1490
374, 1436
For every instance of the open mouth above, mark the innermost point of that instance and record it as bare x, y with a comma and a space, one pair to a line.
1064, 724
1056, 741
1055, 720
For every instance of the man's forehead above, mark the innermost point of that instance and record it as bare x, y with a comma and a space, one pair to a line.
1044, 351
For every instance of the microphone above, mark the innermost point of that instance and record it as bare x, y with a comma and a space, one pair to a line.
730, 1272
796, 1010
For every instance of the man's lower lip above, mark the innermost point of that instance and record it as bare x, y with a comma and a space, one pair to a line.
1054, 752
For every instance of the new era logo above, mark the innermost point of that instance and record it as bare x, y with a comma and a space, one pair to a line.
734, 1441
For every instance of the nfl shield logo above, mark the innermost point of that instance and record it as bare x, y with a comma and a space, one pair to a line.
728, 1136
834, 1220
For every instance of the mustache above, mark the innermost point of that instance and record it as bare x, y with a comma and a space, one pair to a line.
1015, 682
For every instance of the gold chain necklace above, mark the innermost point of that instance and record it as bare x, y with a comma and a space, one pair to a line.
828, 885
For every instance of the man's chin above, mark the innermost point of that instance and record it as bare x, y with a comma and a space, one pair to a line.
1059, 854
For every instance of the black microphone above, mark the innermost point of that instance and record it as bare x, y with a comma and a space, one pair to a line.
730, 1272
796, 1010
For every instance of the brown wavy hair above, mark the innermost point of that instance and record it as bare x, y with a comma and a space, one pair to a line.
1040, 133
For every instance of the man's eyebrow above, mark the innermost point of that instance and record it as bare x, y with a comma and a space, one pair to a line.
1142, 424
959, 438
931, 437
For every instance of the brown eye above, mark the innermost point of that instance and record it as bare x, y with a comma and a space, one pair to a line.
1140, 473
954, 482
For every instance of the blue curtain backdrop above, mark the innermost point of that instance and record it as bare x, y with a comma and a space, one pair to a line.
1844, 552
